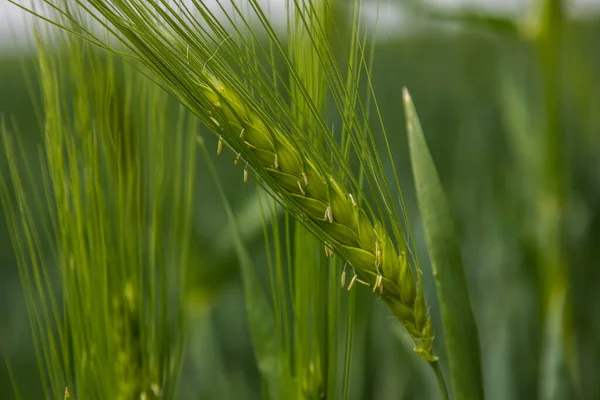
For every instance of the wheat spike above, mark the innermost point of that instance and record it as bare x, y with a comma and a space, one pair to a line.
365, 245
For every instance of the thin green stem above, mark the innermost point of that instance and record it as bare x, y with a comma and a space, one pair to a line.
440, 380
553, 260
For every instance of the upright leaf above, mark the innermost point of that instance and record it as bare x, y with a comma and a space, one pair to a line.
462, 341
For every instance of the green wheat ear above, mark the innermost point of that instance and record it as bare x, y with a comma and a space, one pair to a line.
324, 201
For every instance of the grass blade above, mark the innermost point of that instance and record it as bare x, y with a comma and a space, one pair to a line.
462, 341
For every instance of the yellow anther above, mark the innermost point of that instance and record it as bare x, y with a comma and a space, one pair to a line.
352, 281
220, 145
301, 189
378, 284
362, 282
352, 199
329, 214
328, 250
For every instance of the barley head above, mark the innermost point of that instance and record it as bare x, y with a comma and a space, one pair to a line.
323, 200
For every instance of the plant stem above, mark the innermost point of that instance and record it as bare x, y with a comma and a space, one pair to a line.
557, 313
440, 380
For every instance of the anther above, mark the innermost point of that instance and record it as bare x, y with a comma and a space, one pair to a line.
250, 144
220, 145
214, 120
378, 284
242, 133
246, 173
276, 162
328, 214
305, 179
328, 250
301, 189
237, 159
362, 282
379, 279
352, 281
352, 199
344, 277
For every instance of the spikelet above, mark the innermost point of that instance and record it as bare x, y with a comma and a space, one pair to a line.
364, 245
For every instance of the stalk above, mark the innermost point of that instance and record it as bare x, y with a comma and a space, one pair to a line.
440, 380
559, 352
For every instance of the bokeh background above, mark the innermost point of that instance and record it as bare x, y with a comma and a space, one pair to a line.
476, 77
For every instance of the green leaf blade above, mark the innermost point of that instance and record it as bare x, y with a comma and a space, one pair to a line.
460, 329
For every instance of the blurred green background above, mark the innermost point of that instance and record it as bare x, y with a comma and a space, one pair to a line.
479, 89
